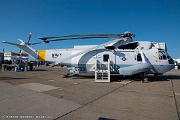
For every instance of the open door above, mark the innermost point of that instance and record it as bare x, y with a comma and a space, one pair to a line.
103, 58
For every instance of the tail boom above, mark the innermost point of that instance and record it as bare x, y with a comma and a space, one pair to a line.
26, 48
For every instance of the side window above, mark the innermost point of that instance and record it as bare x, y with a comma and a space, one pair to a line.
139, 58
105, 57
162, 55
129, 46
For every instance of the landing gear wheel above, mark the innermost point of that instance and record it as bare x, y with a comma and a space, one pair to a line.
67, 76
145, 80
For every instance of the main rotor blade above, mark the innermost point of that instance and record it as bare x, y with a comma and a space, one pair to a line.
34, 43
83, 35
74, 37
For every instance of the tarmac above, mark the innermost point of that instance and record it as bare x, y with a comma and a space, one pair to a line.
44, 94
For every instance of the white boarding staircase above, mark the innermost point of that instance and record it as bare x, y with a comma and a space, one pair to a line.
102, 71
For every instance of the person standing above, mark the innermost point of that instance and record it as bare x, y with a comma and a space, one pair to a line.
0, 67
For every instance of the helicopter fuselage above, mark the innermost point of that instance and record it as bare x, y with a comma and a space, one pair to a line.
119, 56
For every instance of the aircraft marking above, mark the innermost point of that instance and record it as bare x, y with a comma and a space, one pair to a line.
123, 58
155, 57
56, 55
42, 55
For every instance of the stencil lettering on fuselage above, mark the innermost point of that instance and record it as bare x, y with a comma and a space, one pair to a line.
56, 55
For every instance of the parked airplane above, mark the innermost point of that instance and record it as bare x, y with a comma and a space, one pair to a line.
124, 56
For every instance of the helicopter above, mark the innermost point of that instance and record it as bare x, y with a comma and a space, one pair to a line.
120, 55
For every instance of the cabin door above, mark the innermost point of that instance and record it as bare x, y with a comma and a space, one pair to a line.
103, 57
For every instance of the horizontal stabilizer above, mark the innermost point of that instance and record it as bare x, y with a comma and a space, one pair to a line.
12, 43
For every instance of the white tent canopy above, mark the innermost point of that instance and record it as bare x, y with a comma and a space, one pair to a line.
15, 56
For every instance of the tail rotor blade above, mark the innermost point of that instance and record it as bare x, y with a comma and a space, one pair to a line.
21, 40
29, 37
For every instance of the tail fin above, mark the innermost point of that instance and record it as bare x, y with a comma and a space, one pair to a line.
33, 53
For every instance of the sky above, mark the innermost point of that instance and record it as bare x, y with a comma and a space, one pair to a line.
149, 20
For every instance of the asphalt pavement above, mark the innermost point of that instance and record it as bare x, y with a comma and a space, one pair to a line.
44, 94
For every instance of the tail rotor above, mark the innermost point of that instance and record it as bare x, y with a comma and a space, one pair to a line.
29, 37
28, 42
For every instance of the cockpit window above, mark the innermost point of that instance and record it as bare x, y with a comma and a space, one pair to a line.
170, 60
162, 55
